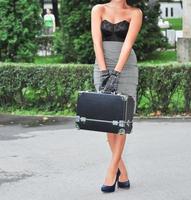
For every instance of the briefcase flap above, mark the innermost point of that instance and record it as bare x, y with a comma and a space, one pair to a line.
101, 106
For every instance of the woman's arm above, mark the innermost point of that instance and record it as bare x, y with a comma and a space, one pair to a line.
96, 35
134, 28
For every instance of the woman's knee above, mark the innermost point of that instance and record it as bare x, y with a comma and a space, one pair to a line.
111, 136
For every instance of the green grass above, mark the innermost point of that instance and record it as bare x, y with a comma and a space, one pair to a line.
48, 59
34, 112
161, 57
176, 23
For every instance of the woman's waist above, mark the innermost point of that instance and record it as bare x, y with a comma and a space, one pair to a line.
114, 46
111, 57
113, 49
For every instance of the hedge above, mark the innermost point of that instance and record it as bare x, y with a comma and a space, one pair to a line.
164, 88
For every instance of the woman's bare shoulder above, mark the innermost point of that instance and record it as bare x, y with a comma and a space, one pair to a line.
98, 8
136, 11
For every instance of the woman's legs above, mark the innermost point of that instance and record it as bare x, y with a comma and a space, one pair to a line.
124, 174
116, 143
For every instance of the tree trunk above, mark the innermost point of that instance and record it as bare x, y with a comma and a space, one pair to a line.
42, 7
55, 11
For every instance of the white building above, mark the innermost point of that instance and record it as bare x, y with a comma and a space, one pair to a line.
48, 4
171, 9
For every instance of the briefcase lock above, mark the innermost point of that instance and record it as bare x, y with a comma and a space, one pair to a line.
115, 123
120, 123
82, 119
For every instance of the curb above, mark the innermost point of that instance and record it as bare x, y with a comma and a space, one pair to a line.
8, 119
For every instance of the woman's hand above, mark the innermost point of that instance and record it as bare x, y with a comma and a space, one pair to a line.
104, 78
112, 83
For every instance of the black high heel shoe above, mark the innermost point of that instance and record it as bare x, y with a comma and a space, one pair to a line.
108, 188
124, 184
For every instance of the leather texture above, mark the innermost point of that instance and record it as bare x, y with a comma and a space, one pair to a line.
114, 31
101, 106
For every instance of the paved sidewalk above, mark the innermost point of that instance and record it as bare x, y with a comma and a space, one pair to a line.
59, 162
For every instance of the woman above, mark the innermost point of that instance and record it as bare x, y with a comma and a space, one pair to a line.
115, 26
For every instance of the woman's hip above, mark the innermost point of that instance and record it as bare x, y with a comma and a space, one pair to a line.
111, 58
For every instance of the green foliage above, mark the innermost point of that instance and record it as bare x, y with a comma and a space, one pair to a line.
46, 87
20, 23
77, 44
84, 48
58, 42
150, 37
165, 88
54, 88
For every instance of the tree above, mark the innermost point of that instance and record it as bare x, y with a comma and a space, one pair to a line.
42, 4
20, 23
150, 38
77, 43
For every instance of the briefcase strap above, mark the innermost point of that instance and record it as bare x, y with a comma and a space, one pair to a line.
119, 123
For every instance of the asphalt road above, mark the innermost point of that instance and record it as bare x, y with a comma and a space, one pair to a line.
59, 162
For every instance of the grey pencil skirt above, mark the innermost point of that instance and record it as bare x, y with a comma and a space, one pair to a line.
128, 80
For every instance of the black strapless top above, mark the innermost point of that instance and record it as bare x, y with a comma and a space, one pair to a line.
114, 31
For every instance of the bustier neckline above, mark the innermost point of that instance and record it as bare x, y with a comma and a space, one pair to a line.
115, 23
114, 31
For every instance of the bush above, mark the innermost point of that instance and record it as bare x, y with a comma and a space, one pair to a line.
20, 23
164, 88
46, 87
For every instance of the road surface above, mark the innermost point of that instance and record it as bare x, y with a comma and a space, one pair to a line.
59, 162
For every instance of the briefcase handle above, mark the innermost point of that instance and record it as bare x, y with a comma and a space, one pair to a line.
102, 92
115, 93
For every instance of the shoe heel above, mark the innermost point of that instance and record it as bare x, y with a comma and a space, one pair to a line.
107, 188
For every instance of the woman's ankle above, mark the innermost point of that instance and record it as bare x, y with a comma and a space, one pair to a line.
123, 177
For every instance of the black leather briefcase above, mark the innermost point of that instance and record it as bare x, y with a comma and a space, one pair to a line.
106, 112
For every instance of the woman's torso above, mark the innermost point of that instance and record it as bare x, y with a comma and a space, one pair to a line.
113, 35
115, 22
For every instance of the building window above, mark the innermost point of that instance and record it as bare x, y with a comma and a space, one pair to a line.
172, 12
166, 11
